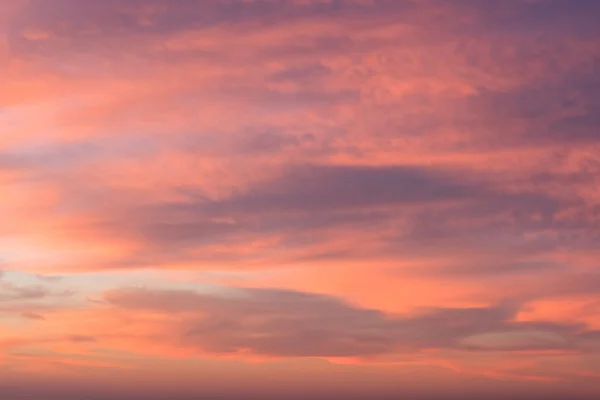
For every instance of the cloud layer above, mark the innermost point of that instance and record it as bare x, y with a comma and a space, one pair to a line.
188, 186
287, 323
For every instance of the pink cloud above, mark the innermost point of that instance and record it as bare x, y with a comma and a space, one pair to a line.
345, 161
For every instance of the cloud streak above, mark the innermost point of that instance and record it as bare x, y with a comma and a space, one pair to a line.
287, 323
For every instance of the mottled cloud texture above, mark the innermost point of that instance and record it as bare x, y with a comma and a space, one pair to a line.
359, 198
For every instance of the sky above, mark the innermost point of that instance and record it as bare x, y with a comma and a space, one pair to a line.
358, 199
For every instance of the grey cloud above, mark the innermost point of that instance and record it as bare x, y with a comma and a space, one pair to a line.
122, 16
324, 187
289, 323
32, 316
481, 269
168, 237
511, 17
48, 278
28, 300
323, 194
301, 200
304, 98
437, 208
267, 142
196, 233
562, 108
582, 283
300, 73
38, 158
318, 189
81, 339
10, 292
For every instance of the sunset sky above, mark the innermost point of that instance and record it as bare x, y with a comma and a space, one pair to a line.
298, 199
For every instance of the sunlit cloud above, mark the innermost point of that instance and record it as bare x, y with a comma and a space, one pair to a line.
358, 188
